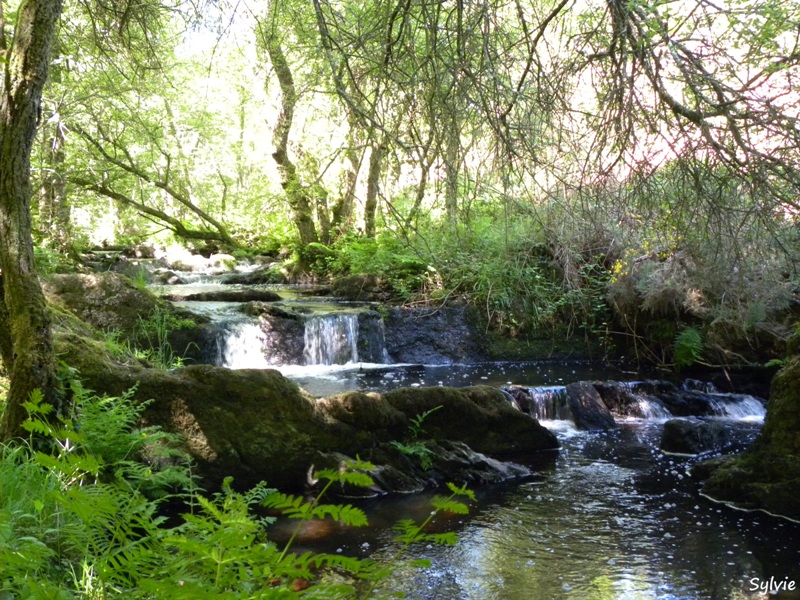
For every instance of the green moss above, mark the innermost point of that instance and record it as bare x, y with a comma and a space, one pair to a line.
767, 475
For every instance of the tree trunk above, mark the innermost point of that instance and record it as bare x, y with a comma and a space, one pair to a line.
342, 211
25, 320
54, 209
452, 161
296, 195
373, 187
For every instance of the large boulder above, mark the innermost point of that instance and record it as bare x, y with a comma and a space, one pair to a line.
269, 274
257, 425
441, 336
767, 475
480, 416
107, 301
587, 407
693, 436
127, 314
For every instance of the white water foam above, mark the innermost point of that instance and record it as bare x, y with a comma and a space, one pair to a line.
331, 340
740, 407
242, 347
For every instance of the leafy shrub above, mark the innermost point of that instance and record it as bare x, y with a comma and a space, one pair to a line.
153, 334
385, 257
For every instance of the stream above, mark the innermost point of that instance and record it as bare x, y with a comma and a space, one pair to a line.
608, 516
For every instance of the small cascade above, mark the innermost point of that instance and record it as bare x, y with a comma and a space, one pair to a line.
738, 406
241, 346
331, 340
549, 403
649, 407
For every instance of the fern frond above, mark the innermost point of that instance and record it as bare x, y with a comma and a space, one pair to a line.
449, 505
461, 491
356, 478
448, 538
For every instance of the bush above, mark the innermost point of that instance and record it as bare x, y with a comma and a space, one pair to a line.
384, 257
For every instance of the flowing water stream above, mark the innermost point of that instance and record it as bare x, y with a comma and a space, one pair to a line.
608, 516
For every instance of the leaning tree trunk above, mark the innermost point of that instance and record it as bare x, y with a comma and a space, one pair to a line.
296, 196
27, 346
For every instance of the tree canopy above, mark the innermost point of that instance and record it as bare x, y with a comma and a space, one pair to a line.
565, 143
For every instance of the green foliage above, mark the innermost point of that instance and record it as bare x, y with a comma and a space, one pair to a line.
153, 333
49, 261
79, 517
316, 257
688, 347
414, 446
416, 429
141, 278
81, 511
417, 449
384, 257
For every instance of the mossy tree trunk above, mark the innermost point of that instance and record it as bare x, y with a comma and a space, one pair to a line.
27, 346
297, 196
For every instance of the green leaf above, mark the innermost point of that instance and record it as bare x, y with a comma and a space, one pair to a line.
461, 491
421, 563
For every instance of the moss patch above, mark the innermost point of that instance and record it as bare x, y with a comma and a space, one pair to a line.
767, 475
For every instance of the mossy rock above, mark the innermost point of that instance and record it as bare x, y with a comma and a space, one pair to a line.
104, 300
767, 475
479, 416
266, 275
257, 425
110, 302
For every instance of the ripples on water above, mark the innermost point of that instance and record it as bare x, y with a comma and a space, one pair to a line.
610, 518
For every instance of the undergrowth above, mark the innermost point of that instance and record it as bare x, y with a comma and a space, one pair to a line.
81, 516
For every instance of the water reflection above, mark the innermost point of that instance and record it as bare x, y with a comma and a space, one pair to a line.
610, 517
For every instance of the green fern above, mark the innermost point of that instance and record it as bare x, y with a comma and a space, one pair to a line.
79, 516
688, 347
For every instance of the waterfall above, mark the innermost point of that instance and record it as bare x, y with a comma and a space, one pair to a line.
241, 346
286, 335
549, 403
738, 406
331, 340
649, 407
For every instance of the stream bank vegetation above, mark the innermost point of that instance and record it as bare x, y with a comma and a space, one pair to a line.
580, 173
89, 509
